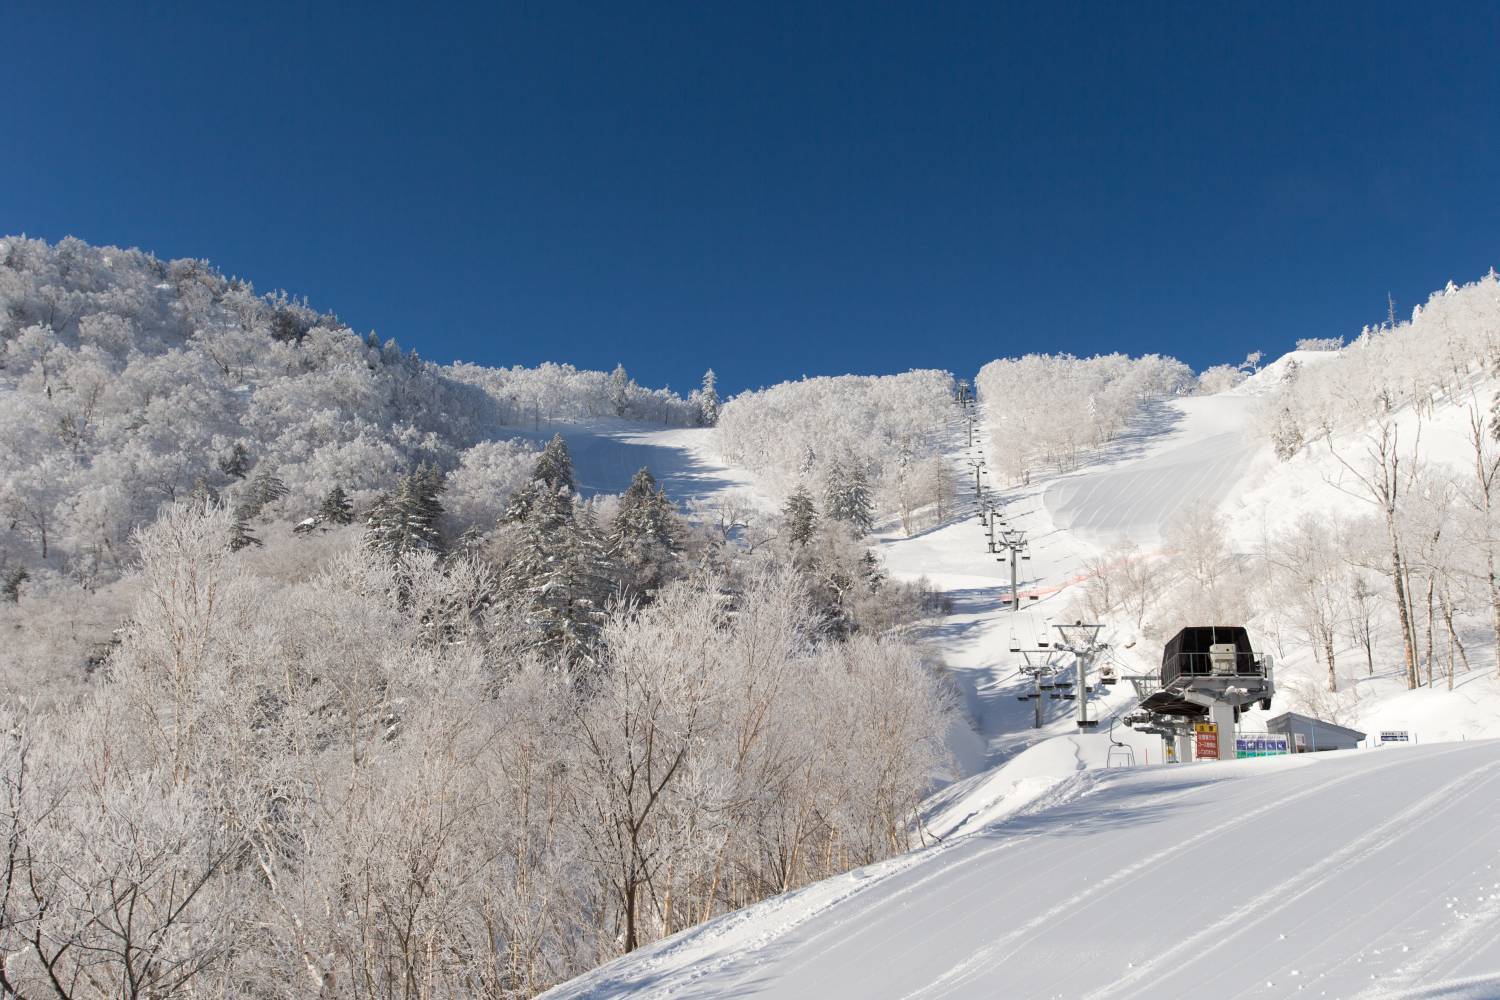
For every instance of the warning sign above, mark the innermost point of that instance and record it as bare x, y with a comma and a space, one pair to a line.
1205, 741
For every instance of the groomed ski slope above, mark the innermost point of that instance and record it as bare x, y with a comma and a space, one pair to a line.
1352, 874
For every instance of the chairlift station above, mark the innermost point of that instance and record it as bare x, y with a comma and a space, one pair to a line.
1209, 675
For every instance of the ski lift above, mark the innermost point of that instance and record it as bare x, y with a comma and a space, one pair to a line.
1122, 752
1108, 676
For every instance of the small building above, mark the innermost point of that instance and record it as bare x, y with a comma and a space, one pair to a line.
1308, 734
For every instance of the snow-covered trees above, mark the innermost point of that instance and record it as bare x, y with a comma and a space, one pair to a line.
552, 393
1448, 343
644, 537
847, 496
1048, 410
790, 432
334, 786
706, 398
799, 516
406, 520
125, 379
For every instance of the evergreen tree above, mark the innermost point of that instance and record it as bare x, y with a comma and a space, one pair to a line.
553, 474
336, 508
241, 535
264, 490
619, 391
235, 463
708, 400
560, 569
406, 519
847, 497
799, 517
203, 495
644, 538
12, 589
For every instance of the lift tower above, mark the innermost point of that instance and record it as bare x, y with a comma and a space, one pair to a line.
1083, 642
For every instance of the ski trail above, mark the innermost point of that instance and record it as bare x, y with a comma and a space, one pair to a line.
1292, 888
1307, 956
979, 961
1004, 947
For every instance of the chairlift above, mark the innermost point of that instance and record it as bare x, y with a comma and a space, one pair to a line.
1123, 752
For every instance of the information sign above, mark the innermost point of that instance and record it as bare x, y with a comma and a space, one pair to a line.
1205, 741
1261, 745
1395, 736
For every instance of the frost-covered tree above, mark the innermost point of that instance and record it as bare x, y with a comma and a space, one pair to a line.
336, 508
644, 537
847, 496
552, 474
799, 516
559, 569
406, 520
11, 591
1286, 436
708, 400
241, 534
235, 463
619, 391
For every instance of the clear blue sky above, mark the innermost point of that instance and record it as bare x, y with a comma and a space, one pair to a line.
775, 190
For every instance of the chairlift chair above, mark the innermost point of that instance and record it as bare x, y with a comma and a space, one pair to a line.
1123, 752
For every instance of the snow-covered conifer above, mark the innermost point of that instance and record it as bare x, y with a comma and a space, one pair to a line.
235, 463
708, 400
645, 535
11, 591
407, 519
799, 516
847, 496
336, 508
619, 391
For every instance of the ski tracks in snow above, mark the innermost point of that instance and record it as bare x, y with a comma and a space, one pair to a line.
1299, 884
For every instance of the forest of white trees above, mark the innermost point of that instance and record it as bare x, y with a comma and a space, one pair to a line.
127, 381
884, 434
316, 685
1048, 410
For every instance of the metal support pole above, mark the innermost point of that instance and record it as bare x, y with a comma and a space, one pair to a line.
1222, 715
1015, 599
1083, 687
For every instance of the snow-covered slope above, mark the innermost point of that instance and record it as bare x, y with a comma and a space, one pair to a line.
1360, 873
684, 460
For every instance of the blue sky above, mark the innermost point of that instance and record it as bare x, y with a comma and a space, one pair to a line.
776, 190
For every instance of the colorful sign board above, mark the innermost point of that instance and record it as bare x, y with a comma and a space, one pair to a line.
1261, 745
1205, 741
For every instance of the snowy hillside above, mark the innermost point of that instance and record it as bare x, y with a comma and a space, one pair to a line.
1352, 874
1060, 871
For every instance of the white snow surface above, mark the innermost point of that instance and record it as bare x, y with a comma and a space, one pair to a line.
1370, 873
